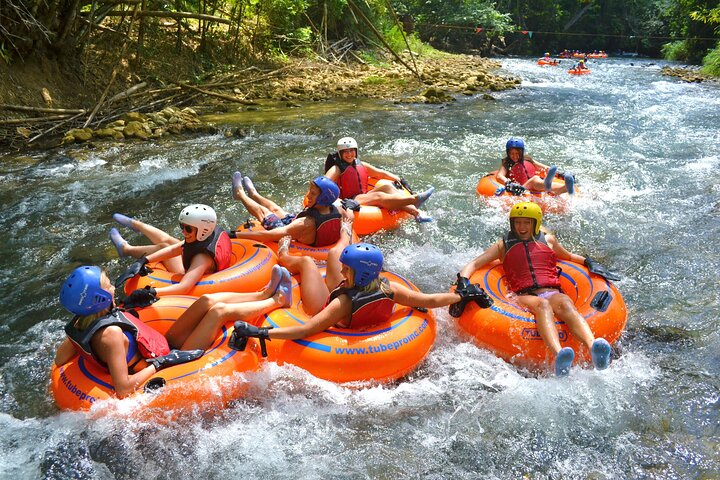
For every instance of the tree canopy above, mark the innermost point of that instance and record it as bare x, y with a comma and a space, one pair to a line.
686, 30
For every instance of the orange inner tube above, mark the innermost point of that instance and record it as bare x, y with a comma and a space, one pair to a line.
249, 271
510, 332
79, 384
381, 352
488, 186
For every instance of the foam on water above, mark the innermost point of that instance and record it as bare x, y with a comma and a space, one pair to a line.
647, 209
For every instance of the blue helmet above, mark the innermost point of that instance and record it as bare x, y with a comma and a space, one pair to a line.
82, 294
515, 143
329, 191
366, 261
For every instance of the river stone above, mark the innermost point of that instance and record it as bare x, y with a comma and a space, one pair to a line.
78, 135
109, 133
136, 130
157, 118
133, 117
175, 128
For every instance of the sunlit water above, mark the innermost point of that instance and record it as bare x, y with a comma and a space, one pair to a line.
645, 150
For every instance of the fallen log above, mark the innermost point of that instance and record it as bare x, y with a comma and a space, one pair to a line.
22, 121
22, 108
127, 92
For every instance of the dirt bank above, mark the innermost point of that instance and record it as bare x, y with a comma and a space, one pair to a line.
56, 96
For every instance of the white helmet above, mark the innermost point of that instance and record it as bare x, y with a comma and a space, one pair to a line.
346, 143
201, 217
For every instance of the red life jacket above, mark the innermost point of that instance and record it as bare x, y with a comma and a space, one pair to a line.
529, 264
521, 171
151, 343
217, 245
368, 308
353, 177
327, 226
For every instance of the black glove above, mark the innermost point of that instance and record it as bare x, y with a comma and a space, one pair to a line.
142, 297
232, 233
139, 267
405, 184
350, 204
175, 357
243, 330
463, 283
469, 292
514, 188
599, 269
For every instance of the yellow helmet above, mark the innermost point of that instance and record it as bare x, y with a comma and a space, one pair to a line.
526, 210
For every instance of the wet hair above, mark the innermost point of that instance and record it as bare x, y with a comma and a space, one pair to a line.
375, 285
83, 322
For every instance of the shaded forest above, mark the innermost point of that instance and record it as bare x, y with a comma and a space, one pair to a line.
242, 31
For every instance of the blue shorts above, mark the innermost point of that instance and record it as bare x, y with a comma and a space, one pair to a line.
272, 221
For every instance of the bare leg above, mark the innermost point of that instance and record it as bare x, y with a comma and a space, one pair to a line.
536, 183
159, 238
154, 234
565, 310
388, 197
333, 277
544, 319
313, 291
254, 208
198, 326
265, 202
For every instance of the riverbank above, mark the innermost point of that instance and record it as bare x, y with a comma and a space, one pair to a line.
58, 105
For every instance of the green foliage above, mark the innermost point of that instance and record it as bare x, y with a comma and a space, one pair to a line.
5, 54
374, 80
711, 16
694, 21
374, 58
394, 37
711, 62
451, 23
677, 51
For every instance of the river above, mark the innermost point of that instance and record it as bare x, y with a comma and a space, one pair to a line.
643, 147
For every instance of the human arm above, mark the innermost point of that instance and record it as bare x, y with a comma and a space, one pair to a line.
139, 266
538, 165
592, 265
339, 309
495, 252
333, 174
380, 173
297, 229
65, 352
109, 344
200, 264
561, 252
501, 175
164, 253
412, 298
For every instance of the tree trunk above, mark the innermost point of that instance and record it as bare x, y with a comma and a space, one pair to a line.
67, 25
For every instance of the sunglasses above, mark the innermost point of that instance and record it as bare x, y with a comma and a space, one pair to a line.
186, 228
